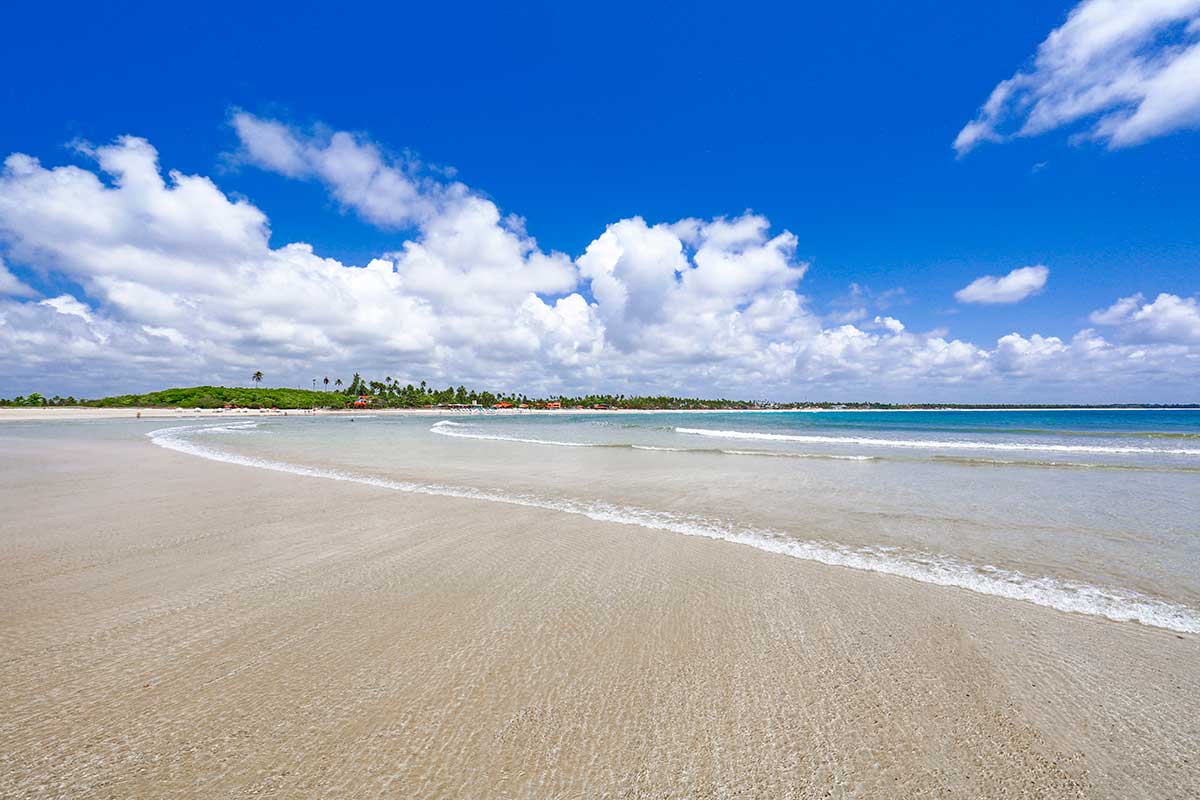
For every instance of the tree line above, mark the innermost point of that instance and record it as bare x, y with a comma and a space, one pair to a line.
36, 399
390, 393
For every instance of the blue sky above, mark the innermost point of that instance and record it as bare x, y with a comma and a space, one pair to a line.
836, 124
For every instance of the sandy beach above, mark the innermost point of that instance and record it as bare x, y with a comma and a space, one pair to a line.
172, 627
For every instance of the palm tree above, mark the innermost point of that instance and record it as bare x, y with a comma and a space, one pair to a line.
327, 383
338, 383
257, 377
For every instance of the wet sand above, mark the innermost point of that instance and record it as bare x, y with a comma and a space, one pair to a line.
171, 627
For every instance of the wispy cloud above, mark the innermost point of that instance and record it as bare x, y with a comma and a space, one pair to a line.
1129, 68
1011, 288
11, 285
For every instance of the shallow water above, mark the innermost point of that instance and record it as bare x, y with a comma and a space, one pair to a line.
1094, 512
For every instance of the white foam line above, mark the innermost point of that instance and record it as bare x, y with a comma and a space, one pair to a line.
1070, 596
931, 444
443, 430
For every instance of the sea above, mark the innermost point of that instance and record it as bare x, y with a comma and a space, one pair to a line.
1091, 512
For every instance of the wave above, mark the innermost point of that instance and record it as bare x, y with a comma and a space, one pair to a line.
446, 428
973, 429
1070, 596
1081, 465
232, 427
443, 429
1111, 434
938, 444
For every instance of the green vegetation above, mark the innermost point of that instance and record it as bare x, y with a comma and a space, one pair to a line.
35, 399
389, 393
221, 396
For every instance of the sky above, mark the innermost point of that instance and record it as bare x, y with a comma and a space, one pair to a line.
895, 202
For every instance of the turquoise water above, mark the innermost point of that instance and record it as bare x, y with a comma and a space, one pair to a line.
1092, 512
1147, 423
1142, 436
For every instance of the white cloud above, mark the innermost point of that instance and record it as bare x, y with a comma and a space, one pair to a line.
891, 323
1011, 288
1116, 313
66, 304
383, 190
1130, 67
176, 254
11, 285
177, 284
694, 282
1169, 318
1015, 353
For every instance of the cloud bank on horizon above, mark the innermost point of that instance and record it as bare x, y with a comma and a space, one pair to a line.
178, 283
1130, 70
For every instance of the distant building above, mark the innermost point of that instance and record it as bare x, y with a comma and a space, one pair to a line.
553, 404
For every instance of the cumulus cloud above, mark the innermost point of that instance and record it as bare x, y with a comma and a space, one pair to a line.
177, 265
1011, 288
176, 282
1169, 318
1130, 69
660, 282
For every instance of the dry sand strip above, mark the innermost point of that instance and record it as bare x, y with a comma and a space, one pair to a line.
171, 627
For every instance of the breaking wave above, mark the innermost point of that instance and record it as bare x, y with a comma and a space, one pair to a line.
940, 444
448, 428
453, 430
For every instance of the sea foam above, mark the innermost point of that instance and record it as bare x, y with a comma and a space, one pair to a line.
448, 428
938, 444
455, 430
1063, 595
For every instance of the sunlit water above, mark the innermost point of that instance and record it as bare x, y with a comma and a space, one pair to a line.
1093, 512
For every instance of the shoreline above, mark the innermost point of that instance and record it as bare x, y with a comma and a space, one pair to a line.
234, 630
